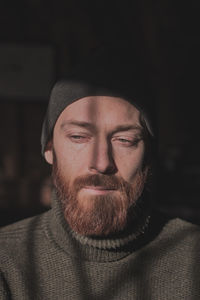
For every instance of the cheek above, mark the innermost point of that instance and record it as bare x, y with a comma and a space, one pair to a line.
130, 163
71, 160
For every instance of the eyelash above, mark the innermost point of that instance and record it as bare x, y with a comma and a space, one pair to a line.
125, 142
78, 138
128, 142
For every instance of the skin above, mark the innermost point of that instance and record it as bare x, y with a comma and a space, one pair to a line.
100, 147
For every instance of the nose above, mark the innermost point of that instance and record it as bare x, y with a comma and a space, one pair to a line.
102, 160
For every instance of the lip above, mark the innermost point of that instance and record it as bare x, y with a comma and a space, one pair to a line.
98, 189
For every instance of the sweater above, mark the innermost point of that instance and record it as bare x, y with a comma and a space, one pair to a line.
42, 258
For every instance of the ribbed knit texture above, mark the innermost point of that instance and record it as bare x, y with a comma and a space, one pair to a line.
40, 258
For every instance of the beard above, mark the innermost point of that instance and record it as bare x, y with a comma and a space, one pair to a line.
98, 215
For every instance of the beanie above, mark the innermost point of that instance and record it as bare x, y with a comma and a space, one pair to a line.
111, 71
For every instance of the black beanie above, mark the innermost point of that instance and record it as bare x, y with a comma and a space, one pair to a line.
111, 71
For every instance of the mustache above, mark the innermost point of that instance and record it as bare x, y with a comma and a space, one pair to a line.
109, 182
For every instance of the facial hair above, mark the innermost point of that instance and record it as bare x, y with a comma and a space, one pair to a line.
98, 215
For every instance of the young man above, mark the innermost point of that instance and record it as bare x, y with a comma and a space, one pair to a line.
101, 239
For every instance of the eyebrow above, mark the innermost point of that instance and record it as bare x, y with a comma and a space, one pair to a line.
127, 128
77, 123
91, 126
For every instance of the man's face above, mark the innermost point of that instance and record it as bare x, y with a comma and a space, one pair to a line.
97, 154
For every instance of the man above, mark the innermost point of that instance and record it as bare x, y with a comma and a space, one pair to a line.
101, 239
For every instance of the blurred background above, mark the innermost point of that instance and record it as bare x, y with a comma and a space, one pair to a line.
41, 40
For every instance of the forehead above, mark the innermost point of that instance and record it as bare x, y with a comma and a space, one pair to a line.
101, 110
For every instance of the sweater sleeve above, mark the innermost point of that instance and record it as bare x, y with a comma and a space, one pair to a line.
4, 289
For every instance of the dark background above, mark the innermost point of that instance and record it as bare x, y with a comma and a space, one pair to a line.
166, 36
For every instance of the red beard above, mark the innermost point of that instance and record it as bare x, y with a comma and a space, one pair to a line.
98, 215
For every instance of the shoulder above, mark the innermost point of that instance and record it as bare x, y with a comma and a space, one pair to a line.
171, 233
173, 225
180, 234
177, 225
21, 226
21, 232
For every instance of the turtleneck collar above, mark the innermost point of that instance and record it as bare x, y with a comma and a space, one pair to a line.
96, 249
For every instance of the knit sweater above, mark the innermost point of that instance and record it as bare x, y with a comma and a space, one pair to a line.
42, 258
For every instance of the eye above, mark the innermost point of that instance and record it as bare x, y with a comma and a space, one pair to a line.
124, 141
78, 138
128, 142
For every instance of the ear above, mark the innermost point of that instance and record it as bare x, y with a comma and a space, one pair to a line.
48, 154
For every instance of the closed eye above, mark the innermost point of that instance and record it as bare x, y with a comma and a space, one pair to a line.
127, 142
78, 138
124, 141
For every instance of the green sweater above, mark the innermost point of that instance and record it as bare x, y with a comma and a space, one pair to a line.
41, 258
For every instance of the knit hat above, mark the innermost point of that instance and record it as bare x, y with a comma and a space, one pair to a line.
110, 71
